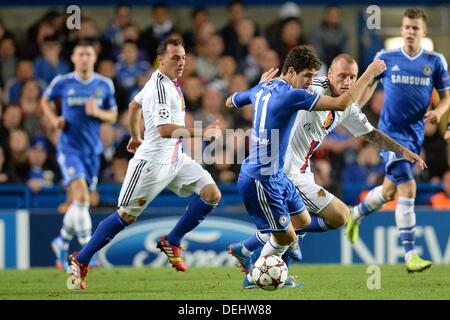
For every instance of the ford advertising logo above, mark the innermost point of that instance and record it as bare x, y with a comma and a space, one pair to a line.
206, 245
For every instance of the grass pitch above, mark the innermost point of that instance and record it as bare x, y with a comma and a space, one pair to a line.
321, 282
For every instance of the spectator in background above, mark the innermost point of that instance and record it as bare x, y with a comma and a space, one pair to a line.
229, 33
114, 31
107, 68
226, 70
203, 35
208, 61
5, 33
199, 16
323, 174
11, 120
238, 83
3, 167
246, 30
108, 137
340, 148
287, 10
88, 31
29, 104
40, 175
50, 64
193, 90
221, 171
330, 38
13, 87
374, 106
291, 36
250, 66
8, 60
270, 59
36, 35
158, 30
367, 167
129, 68
212, 105
441, 200
18, 156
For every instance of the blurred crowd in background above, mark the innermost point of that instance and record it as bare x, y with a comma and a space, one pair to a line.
220, 60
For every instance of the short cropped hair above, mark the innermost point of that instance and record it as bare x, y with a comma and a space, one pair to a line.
162, 47
344, 56
301, 58
415, 13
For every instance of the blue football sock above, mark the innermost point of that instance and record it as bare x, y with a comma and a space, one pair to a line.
196, 211
317, 224
105, 232
255, 241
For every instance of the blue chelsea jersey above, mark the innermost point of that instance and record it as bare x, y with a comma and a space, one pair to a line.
274, 105
408, 83
82, 132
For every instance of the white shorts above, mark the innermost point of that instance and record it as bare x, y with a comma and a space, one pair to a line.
145, 180
316, 198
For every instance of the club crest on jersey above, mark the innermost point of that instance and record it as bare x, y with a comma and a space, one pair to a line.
321, 193
71, 92
328, 121
283, 219
98, 92
427, 70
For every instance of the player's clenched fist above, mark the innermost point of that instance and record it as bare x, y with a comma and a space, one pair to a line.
58, 123
133, 144
91, 107
213, 130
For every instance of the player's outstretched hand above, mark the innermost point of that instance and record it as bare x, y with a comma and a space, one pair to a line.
268, 75
133, 144
412, 157
431, 117
213, 130
376, 68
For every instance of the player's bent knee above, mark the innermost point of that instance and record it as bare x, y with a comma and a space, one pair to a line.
129, 219
211, 194
301, 220
389, 195
338, 220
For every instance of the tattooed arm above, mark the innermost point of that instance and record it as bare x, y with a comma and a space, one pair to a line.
382, 141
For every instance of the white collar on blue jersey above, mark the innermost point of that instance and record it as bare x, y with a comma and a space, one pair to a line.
408, 56
76, 76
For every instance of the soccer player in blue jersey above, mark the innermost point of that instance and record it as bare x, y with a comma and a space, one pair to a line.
264, 186
87, 99
411, 75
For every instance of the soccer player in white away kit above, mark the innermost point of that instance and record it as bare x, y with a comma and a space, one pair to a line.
327, 211
158, 163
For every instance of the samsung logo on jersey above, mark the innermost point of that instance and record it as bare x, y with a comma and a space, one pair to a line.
418, 81
81, 101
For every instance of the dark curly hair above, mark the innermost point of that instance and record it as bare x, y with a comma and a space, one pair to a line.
301, 58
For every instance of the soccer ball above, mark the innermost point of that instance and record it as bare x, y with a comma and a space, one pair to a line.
270, 272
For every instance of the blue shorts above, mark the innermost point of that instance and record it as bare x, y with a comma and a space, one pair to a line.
396, 168
74, 166
270, 204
